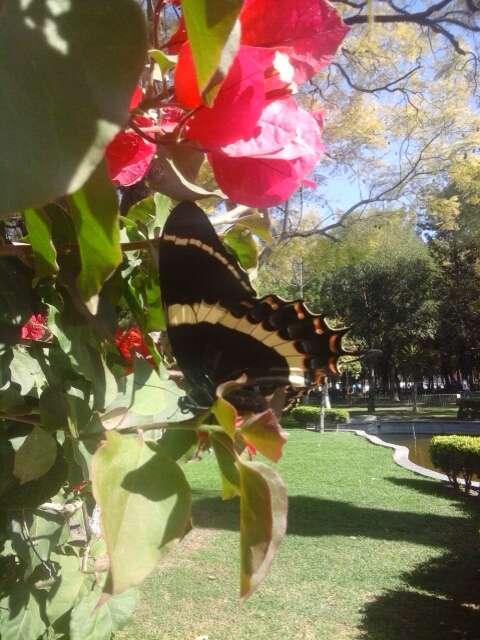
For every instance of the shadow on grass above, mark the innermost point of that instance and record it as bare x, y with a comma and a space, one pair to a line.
308, 516
441, 597
449, 607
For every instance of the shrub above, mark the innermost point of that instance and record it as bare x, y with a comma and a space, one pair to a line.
307, 415
457, 456
289, 422
468, 409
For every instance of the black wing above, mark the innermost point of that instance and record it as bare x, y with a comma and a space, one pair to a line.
219, 330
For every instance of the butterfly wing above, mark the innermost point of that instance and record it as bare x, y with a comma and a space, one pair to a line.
219, 330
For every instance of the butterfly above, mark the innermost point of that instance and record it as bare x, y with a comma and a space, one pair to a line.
219, 330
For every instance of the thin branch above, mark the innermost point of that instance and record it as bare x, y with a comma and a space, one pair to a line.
379, 197
386, 87
22, 249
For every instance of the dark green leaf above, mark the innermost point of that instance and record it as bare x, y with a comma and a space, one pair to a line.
35, 457
95, 215
135, 486
263, 522
80, 60
39, 229
31, 494
176, 443
214, 37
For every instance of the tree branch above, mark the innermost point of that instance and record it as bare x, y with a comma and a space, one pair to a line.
379, 197
386, 87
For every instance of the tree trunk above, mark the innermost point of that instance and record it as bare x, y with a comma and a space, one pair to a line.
325, 396
414, 397
371, 390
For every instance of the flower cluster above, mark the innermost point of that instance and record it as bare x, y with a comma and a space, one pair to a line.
130, 341
35, 328
260, 143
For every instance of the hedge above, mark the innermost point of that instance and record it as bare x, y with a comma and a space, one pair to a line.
307, 415
457, 456
468, 409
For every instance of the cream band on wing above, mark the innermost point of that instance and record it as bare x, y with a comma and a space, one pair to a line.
181, 314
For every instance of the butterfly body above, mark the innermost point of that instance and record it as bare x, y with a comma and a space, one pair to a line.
219, 330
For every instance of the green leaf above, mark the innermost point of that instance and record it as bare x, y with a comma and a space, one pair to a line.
240, 240
92, 622
176, 443
95, 215
39, 229
81, 61
226, 415
6, 464
258, 225
45, 531
164, 61
152, 211
144, 500
226, 458
71, 583
25, 370
154, 394
263, 522
24, 621
214, 37
264, 432
31, 494
35, 457
170, 176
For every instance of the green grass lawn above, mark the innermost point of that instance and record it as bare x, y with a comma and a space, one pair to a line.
372, 552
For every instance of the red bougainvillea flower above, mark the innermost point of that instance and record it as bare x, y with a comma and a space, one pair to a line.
268, 167
236, 108
130, 341
169, 118
129, 155
35, 327
308, 31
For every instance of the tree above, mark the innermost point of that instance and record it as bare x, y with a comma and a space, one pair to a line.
377, 278
452, 223
403, 129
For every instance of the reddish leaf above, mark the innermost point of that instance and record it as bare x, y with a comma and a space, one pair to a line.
237, 107
264, 433
309, 31
263, 521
